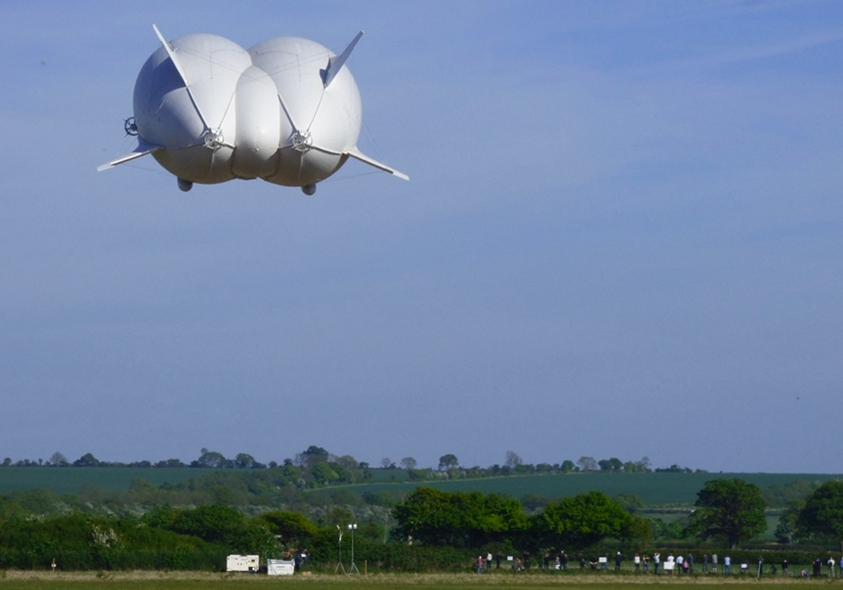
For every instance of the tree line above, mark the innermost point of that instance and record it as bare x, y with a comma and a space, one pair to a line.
448, 464
727, 511
432, 530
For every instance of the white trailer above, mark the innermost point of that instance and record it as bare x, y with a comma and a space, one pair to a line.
280, 567
242, 563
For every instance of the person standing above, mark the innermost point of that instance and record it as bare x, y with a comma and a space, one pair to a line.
636, 559
489, 561
784, 567
714, 562
727, 565
656, 560
479, 564
830, 564
690, 561
618, 561
646, 563
564, 557
705, 563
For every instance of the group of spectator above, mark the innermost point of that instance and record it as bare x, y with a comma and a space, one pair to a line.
830, 564
680, 564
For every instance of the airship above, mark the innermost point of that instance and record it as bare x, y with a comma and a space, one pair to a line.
286, 110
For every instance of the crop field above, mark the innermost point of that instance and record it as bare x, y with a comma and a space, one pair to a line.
655, 489
69, 480
197, 581
658, 489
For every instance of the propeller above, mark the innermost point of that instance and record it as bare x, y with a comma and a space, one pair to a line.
302, 140
212, 138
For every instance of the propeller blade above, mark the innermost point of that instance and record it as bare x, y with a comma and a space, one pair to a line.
335, 63
140, 151
172, 54
358, 155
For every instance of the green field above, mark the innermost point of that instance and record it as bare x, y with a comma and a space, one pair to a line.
176, 581
69, 480
656, 489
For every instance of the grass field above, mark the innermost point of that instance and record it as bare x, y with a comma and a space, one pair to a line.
69, 480
654, 488
193, 580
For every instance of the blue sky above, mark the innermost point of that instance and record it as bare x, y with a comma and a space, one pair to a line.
621, 238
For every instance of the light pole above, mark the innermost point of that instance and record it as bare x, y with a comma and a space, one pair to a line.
353, 567
340, 566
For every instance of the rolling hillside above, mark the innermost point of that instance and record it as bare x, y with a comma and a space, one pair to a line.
69, 480
654, 488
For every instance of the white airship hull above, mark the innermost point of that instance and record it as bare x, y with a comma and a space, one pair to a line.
285, 111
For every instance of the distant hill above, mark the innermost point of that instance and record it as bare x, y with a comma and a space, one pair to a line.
653, 488
69, 480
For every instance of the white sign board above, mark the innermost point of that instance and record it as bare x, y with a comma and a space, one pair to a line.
668, 565
242, 563
280, 567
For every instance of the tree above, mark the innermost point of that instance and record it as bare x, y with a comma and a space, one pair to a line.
211, 460
822, 515
448, 461
466, 519
218, 524
86, 460
291, 528
58, 460
613, 464
787, 530
348, 462
169, 463
567, 466
408, 463
581, 521
731, 509
587, 464
312, 456
323, 473
638, 532
512, 460
246, 461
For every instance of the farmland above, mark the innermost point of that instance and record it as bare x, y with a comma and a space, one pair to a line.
655, 489
70, 480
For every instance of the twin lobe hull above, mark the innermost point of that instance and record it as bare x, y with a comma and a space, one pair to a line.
220, 112
285, 110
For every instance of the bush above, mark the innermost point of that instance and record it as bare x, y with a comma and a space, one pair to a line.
80, 542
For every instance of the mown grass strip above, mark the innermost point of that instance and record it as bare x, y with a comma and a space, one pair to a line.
18, 580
